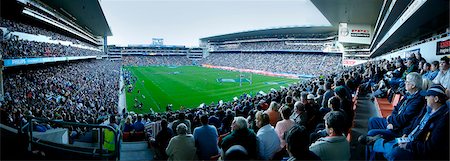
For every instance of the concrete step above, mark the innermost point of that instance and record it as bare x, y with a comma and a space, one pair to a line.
134, 146
139, 150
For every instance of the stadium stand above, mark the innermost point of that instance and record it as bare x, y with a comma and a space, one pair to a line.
155, 60
314, 64
87, 92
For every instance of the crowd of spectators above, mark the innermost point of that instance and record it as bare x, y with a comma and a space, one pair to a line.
301, 63
73, 91
308, 120
272, 46
14, 48
25, 28
244, 125
155, 60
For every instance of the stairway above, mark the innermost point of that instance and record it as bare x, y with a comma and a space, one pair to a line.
135, 151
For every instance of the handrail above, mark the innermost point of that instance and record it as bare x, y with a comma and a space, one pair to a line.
99, 153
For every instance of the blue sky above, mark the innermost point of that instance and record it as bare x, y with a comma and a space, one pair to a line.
183, 22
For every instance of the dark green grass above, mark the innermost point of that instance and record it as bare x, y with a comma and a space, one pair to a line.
189, 86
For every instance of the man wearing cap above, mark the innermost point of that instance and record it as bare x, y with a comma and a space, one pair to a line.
427, 137
406, 111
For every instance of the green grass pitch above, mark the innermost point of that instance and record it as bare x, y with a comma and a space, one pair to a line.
189, 86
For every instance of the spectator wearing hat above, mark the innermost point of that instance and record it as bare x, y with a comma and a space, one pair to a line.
182, 146
443, 77
427, 137
403, 114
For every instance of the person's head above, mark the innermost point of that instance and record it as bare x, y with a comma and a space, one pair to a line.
304, 97
443, 63
297, 141
435, 96
334, 123
399, 63
320, 92
286, 112
181, 116
164, 124
204, 119
299, 107
341, 92
182, 129
262, 119
236, 152
239, 123
274, 106
129, 120
328, 85
418, 55
410, 62
139, 117
112, 119
426, 67
288, 99
434, 66
310, 98
334, 103
413, 82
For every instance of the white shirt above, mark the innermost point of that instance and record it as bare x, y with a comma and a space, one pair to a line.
269, 144
443, 78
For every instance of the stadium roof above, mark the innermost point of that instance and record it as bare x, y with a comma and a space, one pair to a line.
430, 18
273, 32
86, 13
349, 11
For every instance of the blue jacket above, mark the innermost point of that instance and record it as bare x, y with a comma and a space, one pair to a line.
402, 116
431, 142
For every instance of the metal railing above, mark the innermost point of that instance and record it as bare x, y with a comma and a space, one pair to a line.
95, 152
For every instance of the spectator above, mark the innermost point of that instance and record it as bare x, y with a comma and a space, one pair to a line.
284, 125
236, 152
206, 139
297, 144
335, 146
241, 135
181, 119
182, 146
273, 113
428, 135
269, 143
162, 140
443, 77
403, 114
128, 125
138, 126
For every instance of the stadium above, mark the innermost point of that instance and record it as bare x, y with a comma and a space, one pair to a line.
372, 85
